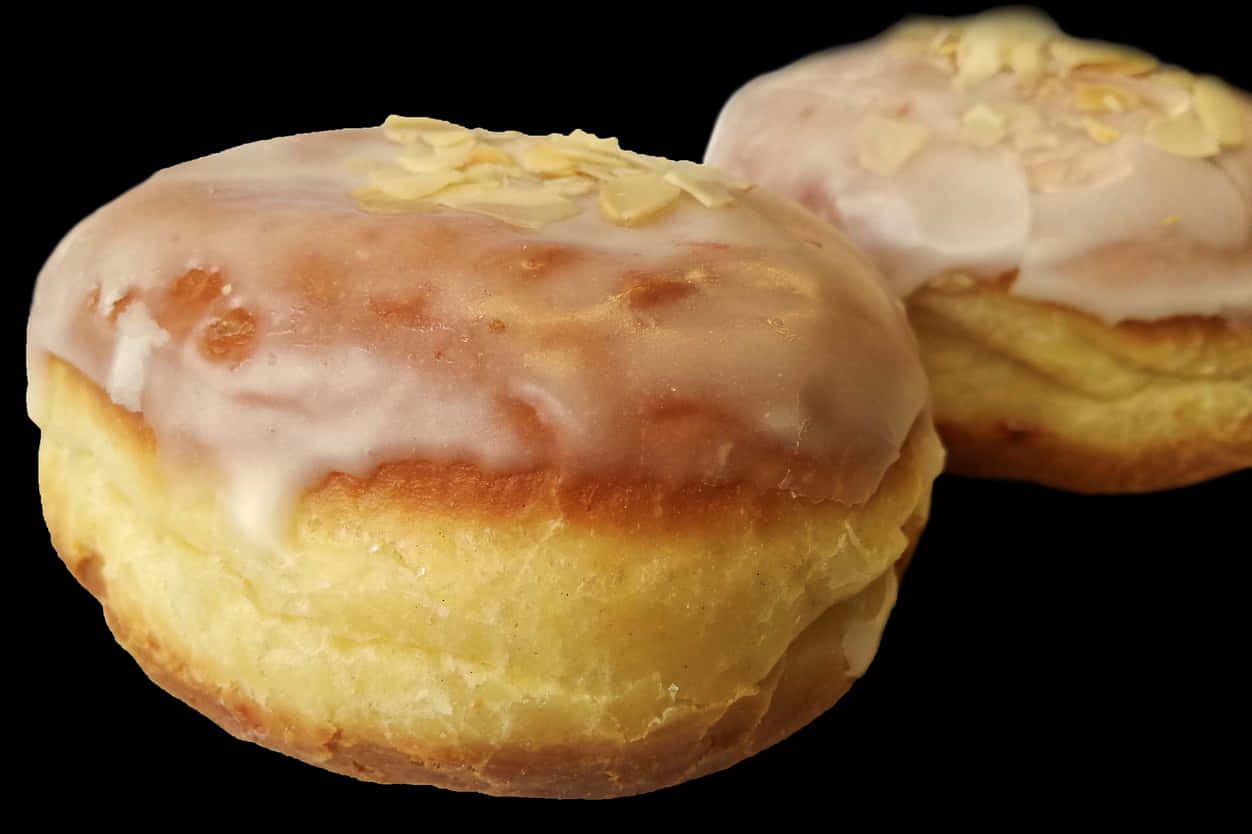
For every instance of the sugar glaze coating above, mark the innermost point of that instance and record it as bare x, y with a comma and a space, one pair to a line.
265, 322
1080, 168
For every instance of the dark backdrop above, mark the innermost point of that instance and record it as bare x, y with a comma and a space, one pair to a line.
1048, 650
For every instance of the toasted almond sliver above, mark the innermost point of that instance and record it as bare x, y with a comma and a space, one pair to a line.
408, 128
575, 186
635, 197
1100, 132
448, 138
419, 157
377, 201
1183, 135
703, 184
402, 185
1026, 59
591, 154
977, 58
1218, 111
529, 208
546, 158
1175, 78
983, 127
886, 144
1071, 54
461, 190
1104, 98
487, 154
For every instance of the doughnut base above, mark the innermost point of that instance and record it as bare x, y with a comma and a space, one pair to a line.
1032, 391
726, 626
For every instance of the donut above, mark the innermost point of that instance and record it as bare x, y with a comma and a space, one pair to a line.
521, 465
1069, 221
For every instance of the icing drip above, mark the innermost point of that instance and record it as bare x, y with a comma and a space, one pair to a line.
259, 315
1103, 181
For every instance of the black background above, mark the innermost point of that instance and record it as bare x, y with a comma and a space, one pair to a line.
1050, 653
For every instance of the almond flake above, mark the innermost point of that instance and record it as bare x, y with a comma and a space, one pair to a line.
448, 138
1103, 98
377, 201
1026, 60
407, 128
1175, 78
546, 158
1100, 132
570, 186
982, 127
1218, 111
701, 183
1071, 54
635, 197
403, 185
885, 144
977, 58
420, 157
529, 208
486, 154
1183, 135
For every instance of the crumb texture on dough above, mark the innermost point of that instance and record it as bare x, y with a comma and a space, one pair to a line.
437, 647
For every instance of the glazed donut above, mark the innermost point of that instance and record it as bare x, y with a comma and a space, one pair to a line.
528, 466
1070, 222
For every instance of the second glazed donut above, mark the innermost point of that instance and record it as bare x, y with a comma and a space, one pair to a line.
1070, 221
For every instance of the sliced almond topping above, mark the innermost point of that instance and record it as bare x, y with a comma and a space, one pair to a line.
983, 127
1104, 98
448, 138
460, 190
1175, 78
420, 157
571, 186
702, 183
1070, 54
598, 172
529, 208
635, 197
487, 155
977, 58
403, 185
1100, 132
1026, 60
377, 201
591, 150
488, 172
1183, 135
408, 128
885, 144
1218, 111
546, 158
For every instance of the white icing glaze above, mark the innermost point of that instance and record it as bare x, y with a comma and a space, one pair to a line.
1122, 230
252, 312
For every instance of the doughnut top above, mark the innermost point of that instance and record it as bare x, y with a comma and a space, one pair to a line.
335, 301
996, 145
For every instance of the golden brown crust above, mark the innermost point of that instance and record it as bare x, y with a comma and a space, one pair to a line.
1035, 391
806, 683
114, 558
